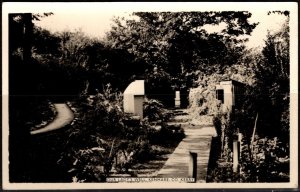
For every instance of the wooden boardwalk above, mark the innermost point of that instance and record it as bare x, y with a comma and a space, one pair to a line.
197, 140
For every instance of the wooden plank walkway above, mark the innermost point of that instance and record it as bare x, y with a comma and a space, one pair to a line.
197, 140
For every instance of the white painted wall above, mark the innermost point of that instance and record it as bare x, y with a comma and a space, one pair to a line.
138, 105
228, 88
133, 98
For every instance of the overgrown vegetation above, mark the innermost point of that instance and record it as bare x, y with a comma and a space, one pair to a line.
177, 49
104, 140
154, 110
171, 51
73, 67
262, 119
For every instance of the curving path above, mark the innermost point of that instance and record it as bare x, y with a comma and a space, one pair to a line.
64, 117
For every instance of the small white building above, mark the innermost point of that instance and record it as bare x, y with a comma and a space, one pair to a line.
134, 98
229, 92
177, 99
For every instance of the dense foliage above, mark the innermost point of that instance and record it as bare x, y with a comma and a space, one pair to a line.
171, 51
104, 140
60, 67
263, 119
154, 110
176, 46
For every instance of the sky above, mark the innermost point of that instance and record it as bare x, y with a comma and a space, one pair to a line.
95, 19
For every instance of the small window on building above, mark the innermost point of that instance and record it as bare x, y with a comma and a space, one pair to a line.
220, 95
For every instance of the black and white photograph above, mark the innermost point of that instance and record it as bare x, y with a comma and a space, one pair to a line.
149, 95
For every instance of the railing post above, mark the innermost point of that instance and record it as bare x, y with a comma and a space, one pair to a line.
240, 137
236, 156
193, 166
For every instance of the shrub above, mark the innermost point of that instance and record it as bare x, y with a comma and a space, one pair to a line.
98, 119
101, 112
154, 110
269, 161
90, 165
102, 124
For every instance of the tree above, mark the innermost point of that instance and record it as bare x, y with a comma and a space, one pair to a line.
45, 43
25, 102
153, 34
273, 79
179, 44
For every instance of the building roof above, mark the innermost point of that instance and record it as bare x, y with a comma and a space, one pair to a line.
234, 82
137, 87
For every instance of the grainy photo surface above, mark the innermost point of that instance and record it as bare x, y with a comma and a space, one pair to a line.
141, 95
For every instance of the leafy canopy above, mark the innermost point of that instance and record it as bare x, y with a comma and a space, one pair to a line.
178, 41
